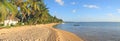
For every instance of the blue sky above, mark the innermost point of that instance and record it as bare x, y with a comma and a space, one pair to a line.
85, 10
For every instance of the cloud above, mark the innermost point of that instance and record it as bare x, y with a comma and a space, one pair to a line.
90, 6
73, 3
110, 15
61, 2
118, 10
74, 11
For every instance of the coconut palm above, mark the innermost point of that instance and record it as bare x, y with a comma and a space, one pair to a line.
31, 11
7, 8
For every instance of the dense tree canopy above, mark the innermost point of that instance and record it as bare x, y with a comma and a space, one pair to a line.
28, 11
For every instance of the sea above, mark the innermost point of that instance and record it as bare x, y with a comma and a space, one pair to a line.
93, 31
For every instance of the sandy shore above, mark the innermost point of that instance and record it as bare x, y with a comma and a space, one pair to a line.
43, 32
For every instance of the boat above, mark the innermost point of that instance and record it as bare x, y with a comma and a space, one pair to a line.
76, 25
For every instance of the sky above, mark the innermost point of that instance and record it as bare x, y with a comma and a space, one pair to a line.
85, 10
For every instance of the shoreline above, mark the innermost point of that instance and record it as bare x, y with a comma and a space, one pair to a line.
41, 32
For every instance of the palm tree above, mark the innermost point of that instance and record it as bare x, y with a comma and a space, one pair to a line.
33, 11
7, 8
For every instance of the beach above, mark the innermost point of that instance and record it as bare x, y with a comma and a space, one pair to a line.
42, 32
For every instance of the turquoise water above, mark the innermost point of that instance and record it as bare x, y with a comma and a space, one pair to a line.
93, 31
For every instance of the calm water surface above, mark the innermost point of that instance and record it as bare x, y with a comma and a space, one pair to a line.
93, 31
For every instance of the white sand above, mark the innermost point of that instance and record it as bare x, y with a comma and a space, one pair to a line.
36, 33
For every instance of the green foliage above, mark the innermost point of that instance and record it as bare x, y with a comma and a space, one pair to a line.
6, 8
31, 11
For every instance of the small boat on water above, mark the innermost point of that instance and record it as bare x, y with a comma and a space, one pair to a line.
76, 25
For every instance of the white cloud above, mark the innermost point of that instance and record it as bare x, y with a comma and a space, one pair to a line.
73, 3
110, 15
74, 11
90, 6
118, 10
61, 2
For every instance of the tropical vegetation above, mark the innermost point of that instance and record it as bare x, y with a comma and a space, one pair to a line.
27, 11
